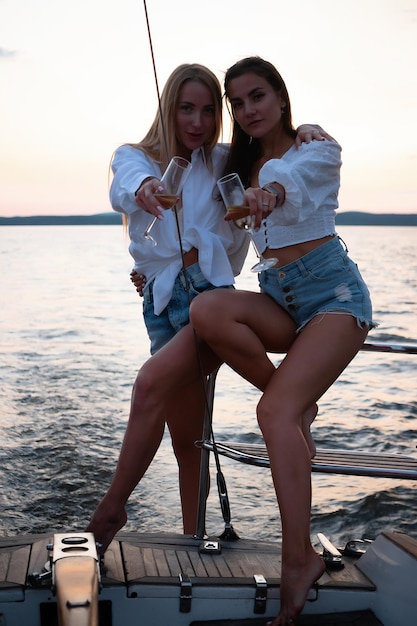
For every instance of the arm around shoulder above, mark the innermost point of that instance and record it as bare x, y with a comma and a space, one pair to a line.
311, 132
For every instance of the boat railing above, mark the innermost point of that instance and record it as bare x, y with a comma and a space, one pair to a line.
331, 461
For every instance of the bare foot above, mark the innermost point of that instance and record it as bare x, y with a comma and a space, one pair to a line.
296, 582
104, 525
307, 419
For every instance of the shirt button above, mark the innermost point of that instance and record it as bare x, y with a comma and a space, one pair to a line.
286, 289
289, 298
282, 275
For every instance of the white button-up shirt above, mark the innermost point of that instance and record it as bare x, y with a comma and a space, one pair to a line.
222, 247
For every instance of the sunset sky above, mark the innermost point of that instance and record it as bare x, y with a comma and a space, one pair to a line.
76, 81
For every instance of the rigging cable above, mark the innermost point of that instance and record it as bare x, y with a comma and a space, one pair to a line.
228, 534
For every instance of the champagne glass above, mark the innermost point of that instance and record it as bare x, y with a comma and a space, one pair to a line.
171, 185
233, 194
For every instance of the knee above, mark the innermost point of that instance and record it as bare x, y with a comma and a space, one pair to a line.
202, 311
145, 387
271, 418
277, 417
264, 417
186, 452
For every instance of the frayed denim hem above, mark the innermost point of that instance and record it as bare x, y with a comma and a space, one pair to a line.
360, 321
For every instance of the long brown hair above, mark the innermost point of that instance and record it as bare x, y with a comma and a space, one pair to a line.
244, 150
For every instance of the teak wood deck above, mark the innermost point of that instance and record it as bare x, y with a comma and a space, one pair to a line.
148, 558
161, 557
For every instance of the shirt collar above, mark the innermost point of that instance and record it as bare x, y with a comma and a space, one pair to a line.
199, 153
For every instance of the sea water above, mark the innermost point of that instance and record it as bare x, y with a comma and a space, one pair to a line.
72, 339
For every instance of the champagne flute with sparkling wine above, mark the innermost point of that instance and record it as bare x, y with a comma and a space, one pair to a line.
233, 194
169, 191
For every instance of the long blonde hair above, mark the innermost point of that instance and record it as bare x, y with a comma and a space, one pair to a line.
161, 142
154, 141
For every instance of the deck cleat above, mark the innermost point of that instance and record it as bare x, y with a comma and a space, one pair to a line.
331, 555
356, 547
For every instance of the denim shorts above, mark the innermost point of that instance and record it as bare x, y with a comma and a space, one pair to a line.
161, 328
325, 280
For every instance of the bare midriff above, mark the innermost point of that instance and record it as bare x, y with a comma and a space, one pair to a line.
190, 257
289, 254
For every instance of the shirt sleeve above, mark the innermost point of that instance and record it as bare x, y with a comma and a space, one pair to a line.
311, 179
130, 167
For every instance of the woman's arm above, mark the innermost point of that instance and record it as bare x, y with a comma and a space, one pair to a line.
310, 177
131, 167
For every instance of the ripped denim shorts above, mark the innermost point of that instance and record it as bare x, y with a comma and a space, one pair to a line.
323, 281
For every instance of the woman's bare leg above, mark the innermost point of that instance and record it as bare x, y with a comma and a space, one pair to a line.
241, 326
237, 326
244, 326
185, 418
310, 368
165, 373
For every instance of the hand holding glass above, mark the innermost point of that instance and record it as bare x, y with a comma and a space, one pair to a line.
233, 194
171, 185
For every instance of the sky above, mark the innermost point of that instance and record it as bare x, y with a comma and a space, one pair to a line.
76, 81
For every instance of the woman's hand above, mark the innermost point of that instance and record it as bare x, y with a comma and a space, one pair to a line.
139, 280
311, 132
145, 197
260, 202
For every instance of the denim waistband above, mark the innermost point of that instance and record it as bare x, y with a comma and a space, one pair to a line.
307, 261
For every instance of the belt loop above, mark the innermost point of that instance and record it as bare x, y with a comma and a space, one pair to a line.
302, 268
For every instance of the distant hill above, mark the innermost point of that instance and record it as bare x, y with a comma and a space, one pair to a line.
347, 218
63, 220
358, 218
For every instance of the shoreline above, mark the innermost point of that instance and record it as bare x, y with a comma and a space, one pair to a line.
345, 218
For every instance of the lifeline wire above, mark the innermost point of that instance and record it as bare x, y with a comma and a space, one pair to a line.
229, 533
156, 82
161, 117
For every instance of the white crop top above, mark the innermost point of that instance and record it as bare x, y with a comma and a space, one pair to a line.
310, 176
